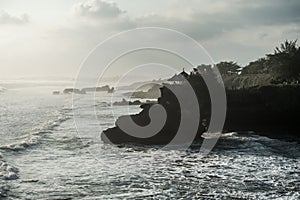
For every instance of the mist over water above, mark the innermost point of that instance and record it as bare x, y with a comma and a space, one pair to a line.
43, 157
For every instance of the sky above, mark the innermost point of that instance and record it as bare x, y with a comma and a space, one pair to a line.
51, 38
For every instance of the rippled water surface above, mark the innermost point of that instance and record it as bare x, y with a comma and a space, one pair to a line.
44, 157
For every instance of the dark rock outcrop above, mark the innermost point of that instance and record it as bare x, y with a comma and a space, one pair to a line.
111, 90
125, 103
105, 88
171, 105
56, 92
164, 136
73, 90
270, 110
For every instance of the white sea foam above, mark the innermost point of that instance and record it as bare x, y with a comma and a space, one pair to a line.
21, 145
2, 89
211, 135
33, 137
230, 134
8, 172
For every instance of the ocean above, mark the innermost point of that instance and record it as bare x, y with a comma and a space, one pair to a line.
43, 155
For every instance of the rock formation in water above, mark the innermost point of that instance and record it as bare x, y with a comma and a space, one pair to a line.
105, 88
74, 91
124, 102
56, 92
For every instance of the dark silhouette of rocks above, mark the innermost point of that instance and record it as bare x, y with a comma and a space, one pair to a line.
125, 103
73, 90
105, 88
2, 89
56, 92
270, 110
170, 103
117, 136
111, 90
263, 97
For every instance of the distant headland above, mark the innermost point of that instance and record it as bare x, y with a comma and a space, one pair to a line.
105, 88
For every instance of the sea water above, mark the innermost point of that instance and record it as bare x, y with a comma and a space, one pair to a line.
44, 156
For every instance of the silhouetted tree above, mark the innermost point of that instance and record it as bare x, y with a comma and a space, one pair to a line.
227, 68
284, 64
288, 47
256, 67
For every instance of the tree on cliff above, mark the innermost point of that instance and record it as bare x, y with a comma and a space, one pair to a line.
284, 64
228, 68
256, 67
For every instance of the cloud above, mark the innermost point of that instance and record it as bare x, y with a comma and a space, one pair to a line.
206, 21
97, 9
226, 28
6, 18
201, 20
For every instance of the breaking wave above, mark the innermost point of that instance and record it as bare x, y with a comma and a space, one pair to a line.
33, 137
2, 89
7, 173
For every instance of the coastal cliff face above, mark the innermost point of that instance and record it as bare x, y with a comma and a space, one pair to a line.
272, 110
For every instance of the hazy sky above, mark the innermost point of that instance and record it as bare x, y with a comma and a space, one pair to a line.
52, 37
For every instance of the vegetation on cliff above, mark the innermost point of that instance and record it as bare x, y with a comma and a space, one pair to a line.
281, 67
